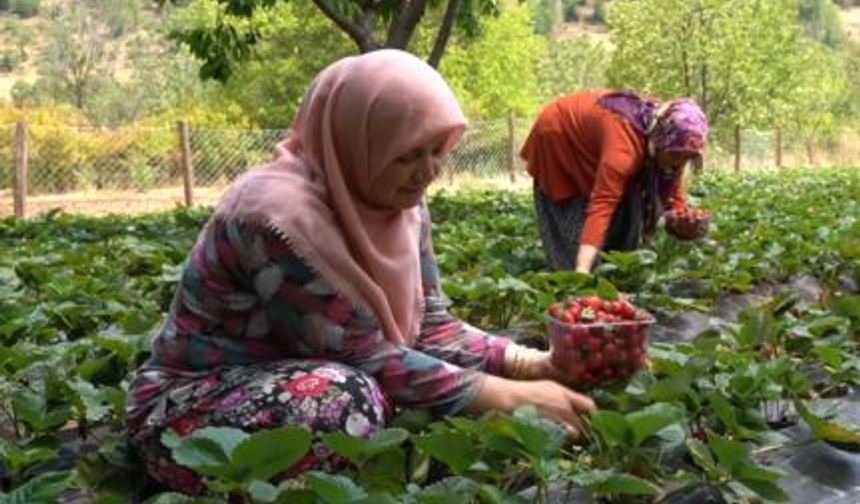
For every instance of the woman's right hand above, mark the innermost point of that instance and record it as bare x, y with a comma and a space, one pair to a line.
554, 400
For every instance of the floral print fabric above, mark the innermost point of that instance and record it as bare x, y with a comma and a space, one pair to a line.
249, 314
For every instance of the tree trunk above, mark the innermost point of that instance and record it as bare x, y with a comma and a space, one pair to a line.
444, 33
778, 153
361, 33
810, 153
404, 23
737, 148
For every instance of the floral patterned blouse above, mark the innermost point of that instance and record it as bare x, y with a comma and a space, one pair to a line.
245, 298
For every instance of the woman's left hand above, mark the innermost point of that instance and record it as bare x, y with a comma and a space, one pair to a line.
545, 369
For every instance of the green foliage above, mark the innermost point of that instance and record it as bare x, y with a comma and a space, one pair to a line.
545, 16
43, 489
75, 60
496, 73
822, 22
571, 65
25, 8
270, 87
737, 58
230, 41
80, 299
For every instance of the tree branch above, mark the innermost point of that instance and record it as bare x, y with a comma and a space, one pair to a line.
444, 33
359, 33
404, 23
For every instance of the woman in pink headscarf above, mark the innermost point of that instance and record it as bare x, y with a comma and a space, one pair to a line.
312, 295
605, 167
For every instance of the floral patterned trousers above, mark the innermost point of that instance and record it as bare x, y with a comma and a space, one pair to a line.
320, 395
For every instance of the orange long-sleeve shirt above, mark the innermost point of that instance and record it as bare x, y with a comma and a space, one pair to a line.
578, 148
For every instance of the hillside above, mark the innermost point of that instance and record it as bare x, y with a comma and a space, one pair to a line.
22, 41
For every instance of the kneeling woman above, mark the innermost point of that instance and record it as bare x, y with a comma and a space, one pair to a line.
312, 295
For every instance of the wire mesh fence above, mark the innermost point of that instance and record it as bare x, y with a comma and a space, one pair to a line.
133, 169
7, 159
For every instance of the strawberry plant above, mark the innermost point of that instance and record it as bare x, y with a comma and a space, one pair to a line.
81, 297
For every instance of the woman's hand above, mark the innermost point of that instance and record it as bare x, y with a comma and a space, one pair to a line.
554, 400
549, 371
538, 365
585, 257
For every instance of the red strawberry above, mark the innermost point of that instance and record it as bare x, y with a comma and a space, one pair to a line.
611, 352
580, 334
593, 302
596, 361
585, 378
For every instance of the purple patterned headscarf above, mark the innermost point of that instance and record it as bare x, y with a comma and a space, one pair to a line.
682, 127
676, 126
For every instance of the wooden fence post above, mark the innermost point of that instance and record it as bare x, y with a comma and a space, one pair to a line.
779, 147
737, 148
512, 142
187, 163
20, 191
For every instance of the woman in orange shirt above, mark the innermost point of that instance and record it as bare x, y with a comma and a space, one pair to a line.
605, 167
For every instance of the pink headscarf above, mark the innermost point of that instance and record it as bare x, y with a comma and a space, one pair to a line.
359, 115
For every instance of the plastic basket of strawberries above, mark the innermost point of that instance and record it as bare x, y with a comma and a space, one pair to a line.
688, 223
594, 341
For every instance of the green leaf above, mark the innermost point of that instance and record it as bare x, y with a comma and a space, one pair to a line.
612, 427
768, 490
627, 484
755, 472
731, 454
334, 489
386, 439
262, 491
725, 411
847, 306
375, 498
178, 498
201, 454
454, 449
352, 448
490, 494
170, 439
88, 400
453, 490
43, 489
702, 456
293, 496
268, 453
611, 482
111, 499
384, 471
606, 290
650, 420
837, 434
671, 388
228, 438
17, 458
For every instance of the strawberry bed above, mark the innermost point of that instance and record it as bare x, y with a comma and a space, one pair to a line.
80, 298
